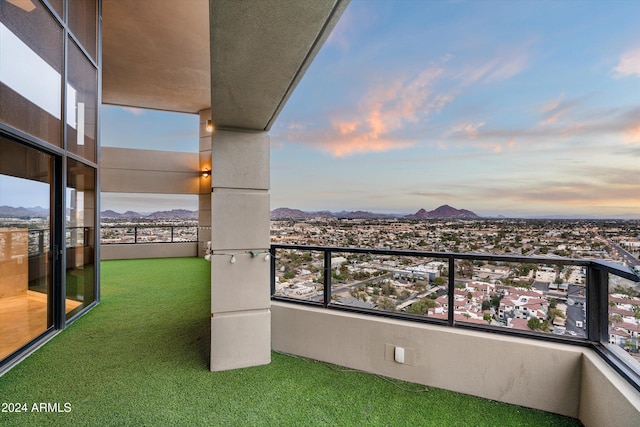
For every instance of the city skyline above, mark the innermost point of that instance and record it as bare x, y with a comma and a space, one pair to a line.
504, 108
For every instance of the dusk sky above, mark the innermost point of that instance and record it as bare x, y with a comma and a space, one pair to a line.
515, 108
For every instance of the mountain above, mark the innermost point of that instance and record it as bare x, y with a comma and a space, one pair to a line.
40, 210
11, 212
421, 214
175, 213
110, 214
286, 213
443, 212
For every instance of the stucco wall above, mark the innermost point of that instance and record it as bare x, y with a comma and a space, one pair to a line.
126, 170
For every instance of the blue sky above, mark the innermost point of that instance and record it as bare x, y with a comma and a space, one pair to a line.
515, 108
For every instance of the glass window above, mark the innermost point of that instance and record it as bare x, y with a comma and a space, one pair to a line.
30, 70
25, 245
624, 318
82, 102
80, 240
83, 23
58, 6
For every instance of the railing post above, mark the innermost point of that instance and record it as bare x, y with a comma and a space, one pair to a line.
172, 234
135, 234
451, 290
597, 305
327, 279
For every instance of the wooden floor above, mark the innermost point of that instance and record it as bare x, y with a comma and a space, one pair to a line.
24, 317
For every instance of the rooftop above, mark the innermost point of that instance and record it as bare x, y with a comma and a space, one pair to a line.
141, 357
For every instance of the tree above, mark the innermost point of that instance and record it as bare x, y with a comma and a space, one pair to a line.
421, 307
466, 268
388, 289
439, 281
386, 304
486, 305
495, 301
553, 313
487, 317
534, 324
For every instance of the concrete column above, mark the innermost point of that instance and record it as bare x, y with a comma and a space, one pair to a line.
240, 303
204, 196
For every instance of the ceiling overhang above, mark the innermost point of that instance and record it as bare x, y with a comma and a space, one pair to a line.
156, 54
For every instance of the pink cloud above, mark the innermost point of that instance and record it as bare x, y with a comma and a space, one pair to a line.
383, 113
632, 134
133, 110
629, 64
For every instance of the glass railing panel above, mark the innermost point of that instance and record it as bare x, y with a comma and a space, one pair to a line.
624, 316
117, 235
38, 241
154, 235
546, 298
299, 274
185, 234
146, 234
390, 283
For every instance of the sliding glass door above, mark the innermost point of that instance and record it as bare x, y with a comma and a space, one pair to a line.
26, 265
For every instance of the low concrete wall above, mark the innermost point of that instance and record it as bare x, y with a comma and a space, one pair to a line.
148, 250
536, 374
606, 399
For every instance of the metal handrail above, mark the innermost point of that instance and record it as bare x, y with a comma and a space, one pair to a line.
596, 287
173, 237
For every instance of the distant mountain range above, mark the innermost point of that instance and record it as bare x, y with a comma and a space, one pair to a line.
35, 212
174, 213
40, 212
442, 212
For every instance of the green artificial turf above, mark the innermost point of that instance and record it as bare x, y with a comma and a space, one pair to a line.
140, 358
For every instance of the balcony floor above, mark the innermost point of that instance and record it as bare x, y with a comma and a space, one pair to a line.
141, 358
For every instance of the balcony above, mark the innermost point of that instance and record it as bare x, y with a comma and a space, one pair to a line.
148, 241
141, 357
572, 369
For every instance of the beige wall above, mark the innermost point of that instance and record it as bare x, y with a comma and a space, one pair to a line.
606, 399
126, 170
240, 316
204, 198
563, 379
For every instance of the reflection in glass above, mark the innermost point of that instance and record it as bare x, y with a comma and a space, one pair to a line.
83, 22
30, 71
82, 99
544, 298
25, 251
80, 232
624, 317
